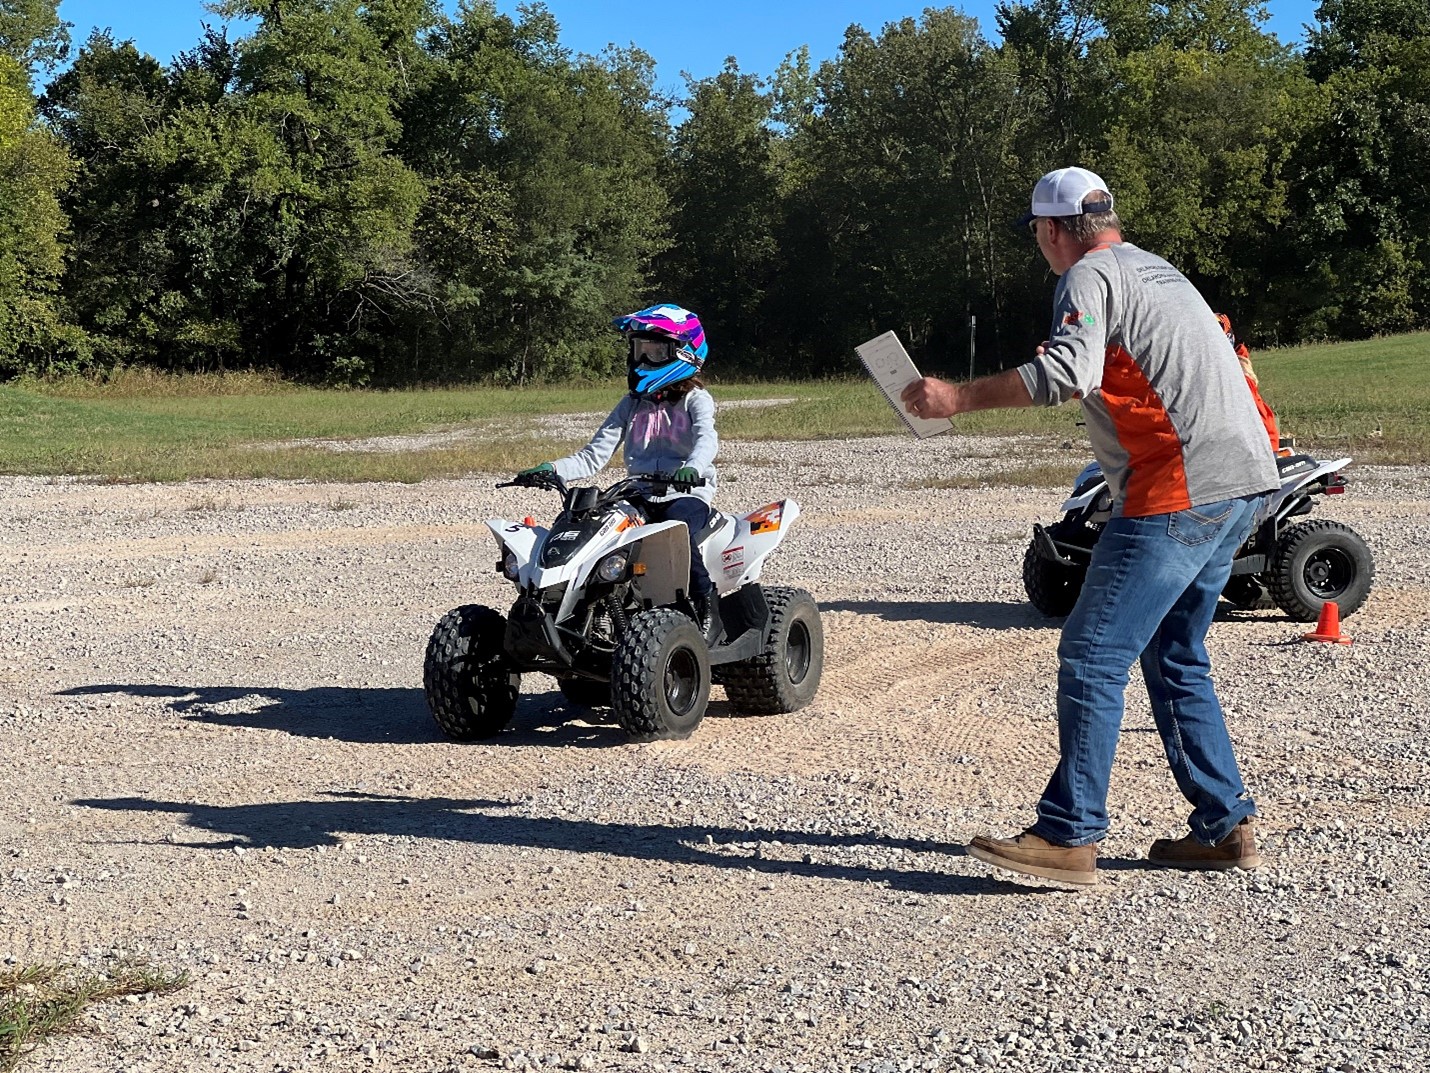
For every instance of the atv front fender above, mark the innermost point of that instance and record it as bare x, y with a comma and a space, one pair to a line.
522, 539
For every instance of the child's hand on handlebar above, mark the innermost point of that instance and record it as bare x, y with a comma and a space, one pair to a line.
544, 467
686, 475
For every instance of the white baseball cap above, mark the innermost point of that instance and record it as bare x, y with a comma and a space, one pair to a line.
1068, 192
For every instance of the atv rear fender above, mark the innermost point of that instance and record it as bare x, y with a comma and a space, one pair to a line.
756, 534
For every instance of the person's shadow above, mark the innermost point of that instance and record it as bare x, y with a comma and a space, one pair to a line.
308, 824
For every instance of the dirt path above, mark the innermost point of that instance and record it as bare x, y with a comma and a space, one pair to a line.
218, 758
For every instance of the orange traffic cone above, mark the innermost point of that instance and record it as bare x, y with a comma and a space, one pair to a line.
1328, 626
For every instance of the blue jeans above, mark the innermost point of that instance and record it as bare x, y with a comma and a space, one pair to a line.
1151, 591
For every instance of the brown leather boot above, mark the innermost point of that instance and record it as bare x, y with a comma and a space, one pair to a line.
1236, 850
1034, 856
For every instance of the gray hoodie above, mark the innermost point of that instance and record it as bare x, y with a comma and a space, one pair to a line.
660, 437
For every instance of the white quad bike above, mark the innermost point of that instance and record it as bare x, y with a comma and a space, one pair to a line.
1296, 566
602, 606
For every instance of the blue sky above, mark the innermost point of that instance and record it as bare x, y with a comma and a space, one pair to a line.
694, 37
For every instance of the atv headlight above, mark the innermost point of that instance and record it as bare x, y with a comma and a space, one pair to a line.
508, 565
611, 568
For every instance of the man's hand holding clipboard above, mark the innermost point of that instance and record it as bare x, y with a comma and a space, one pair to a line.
896, 375
925, 403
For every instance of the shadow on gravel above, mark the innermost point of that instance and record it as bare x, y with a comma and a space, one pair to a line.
307, 824
985, 613
345, 714
366, 716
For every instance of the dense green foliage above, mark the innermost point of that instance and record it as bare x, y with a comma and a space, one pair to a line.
377, 191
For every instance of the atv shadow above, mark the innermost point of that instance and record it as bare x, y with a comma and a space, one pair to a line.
298, 825
986, 614
376, 716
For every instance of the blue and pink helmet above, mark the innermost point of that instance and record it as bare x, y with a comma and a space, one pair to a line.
649, 372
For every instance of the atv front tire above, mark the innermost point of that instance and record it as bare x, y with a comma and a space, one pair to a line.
660, 676
470, 686
1320, 561
785, 675
1052, 587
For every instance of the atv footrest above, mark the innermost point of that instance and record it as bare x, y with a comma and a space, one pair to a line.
1250, 564
746, 646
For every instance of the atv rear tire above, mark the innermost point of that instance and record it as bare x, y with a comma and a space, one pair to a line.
585, 692
660, 676
1052, 587
470, 686
1320, 561
1245, 592
784, 677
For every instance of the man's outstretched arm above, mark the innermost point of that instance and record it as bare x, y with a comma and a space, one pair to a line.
931, 397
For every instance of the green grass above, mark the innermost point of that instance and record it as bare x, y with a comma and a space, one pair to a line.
1369, 399
1042, 475
41, 1001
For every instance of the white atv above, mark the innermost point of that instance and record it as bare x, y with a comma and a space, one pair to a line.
602, 606
1294, 566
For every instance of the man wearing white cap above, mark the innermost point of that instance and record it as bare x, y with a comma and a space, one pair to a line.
1173, 424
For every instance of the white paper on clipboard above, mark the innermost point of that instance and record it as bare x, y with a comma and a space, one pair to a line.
893, 370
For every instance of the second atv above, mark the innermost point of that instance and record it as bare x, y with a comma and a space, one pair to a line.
1294, 565
602, 606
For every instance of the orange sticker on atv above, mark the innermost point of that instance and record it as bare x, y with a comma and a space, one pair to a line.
767, 519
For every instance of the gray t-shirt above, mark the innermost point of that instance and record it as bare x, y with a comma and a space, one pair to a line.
660, 437
1169, 415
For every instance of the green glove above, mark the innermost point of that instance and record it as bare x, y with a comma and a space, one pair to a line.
686, 475
544, 467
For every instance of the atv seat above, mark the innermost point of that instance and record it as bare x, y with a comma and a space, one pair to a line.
1295, 464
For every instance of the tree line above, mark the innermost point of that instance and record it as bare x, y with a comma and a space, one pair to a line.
376, 191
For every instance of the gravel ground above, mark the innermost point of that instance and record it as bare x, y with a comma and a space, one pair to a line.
218, 759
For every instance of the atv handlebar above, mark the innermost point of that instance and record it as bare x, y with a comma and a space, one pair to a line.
657, 483
536, 480
660, 483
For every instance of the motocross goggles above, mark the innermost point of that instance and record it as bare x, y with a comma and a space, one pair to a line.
652, 350
655, 363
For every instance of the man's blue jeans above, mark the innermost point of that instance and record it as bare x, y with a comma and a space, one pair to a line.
1151, 591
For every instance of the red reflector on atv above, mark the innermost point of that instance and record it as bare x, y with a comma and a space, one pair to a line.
1335, 489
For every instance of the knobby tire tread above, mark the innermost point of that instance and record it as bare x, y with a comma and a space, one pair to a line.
759, 685
638, 675
1284, 589
469, 701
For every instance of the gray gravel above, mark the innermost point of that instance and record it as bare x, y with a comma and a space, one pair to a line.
219, 760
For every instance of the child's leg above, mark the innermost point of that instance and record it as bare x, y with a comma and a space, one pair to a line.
695, 513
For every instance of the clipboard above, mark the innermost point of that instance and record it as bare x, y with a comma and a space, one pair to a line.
886, 360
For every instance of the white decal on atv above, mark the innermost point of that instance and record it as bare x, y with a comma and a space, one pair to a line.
569, 534
733, 560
